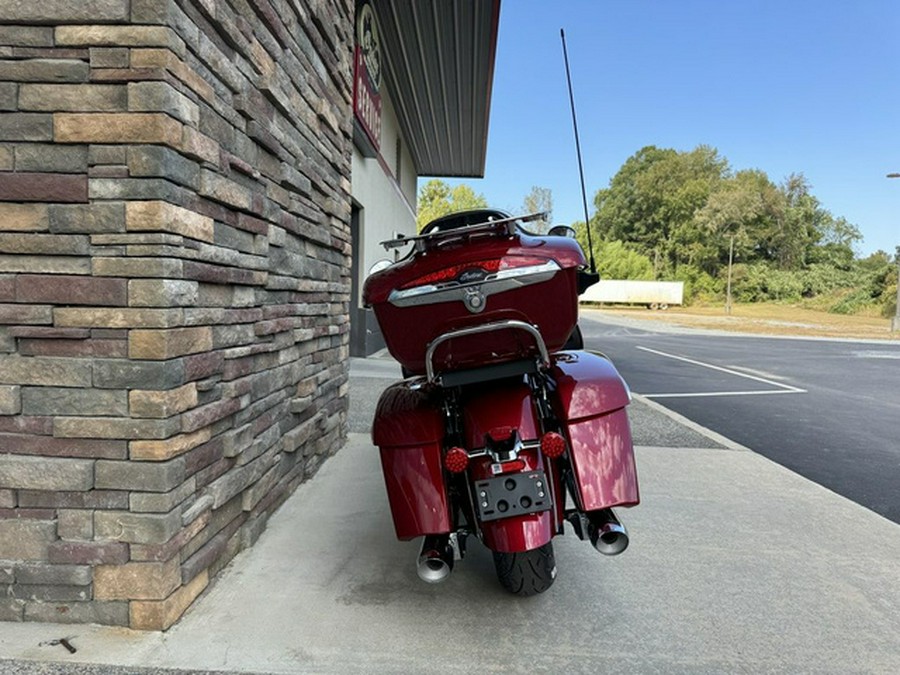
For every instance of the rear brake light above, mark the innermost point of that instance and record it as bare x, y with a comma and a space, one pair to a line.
513, 466
456, 460
500, 434
553, 445
486, 267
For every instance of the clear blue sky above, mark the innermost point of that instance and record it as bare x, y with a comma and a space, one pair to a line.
788, 86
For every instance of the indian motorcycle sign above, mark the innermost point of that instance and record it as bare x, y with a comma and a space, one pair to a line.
367, 74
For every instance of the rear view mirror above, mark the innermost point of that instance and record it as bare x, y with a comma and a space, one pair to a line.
562, 231
378, 266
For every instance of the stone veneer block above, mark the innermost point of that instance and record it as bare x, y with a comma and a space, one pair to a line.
160, 615
161, 96
25, 540
114, 427
106, 613
45, 371
46, 158
157, 216
169, 60
73, 97
71, 290
53, 575
136, 581
124, 374
21, 127
88, 553
200, 146
163, 450
25, 314
119, 36
33, 442
24, 217
135, 267
162, 293
116, 128
139, 476
52, 401
53, 11
10, 399
117, 317
28, 243
47, 264
136, 528
159, 404
104, 217
160, 345
46, 473
43, 187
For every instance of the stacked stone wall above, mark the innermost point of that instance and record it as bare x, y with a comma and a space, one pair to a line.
174, 289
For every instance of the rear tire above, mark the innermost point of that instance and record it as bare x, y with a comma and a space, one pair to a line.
527, 572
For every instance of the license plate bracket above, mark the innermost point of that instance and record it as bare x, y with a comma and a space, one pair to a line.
513, 494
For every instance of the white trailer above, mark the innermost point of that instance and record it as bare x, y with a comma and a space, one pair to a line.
654, 294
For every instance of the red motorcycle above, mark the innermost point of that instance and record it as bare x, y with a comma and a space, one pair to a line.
504, 427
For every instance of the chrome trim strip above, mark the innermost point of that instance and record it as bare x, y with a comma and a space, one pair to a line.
499, 282
486, 328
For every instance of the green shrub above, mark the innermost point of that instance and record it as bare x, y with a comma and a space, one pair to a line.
762, 283
889, 299
616, 261
698, 285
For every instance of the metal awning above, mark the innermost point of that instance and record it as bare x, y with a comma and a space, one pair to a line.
440, 67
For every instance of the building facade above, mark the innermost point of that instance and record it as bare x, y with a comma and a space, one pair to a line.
434, 64
179, 183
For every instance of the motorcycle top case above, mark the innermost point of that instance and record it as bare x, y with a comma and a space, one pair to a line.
590, 398
470, 277
408, 429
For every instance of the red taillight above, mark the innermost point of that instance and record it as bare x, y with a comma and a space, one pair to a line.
552, 444
456, 460
515, 465
493, 266
500, 434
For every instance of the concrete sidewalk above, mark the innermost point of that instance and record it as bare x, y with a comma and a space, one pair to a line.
735, 565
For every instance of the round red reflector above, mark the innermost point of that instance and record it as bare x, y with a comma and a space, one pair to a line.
552, 444
456, 460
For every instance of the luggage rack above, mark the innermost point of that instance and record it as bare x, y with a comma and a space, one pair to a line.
490, 372
503, 226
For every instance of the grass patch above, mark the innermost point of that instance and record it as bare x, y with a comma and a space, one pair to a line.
768, 318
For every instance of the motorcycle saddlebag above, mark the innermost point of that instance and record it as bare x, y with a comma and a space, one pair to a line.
409, 429
591, 400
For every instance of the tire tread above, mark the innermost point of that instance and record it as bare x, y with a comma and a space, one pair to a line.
527, 572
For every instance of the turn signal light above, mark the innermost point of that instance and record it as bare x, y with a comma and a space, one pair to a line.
553, 445
456, 460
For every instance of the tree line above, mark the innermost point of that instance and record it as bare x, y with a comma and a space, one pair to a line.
680, 215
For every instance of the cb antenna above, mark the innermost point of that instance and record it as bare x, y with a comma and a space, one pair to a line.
587, 222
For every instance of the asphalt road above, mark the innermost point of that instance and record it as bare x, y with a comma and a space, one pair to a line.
828, 410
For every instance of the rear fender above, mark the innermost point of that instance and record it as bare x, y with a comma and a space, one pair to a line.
523, 532
500, 406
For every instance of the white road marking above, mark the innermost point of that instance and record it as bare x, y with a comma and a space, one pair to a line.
781, 388
757, 392
877, 355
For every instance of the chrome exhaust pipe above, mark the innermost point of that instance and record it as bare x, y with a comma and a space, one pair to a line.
606, 533
436, 558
